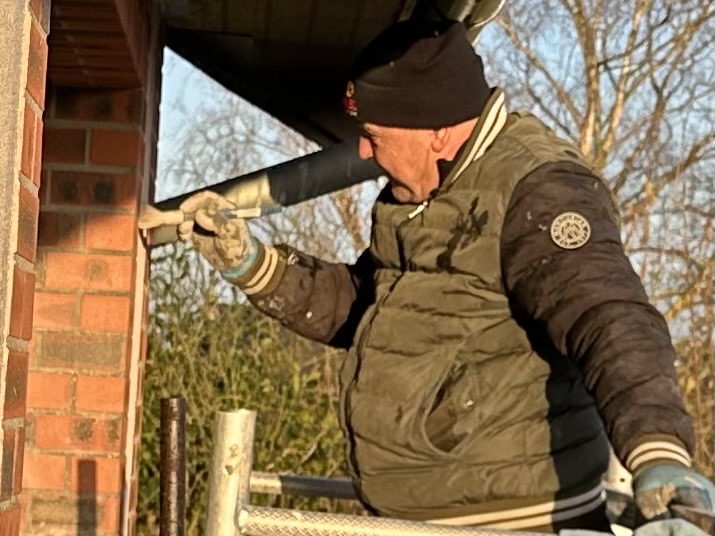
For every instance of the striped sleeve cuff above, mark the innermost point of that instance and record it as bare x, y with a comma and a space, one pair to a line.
655, 450
264, 275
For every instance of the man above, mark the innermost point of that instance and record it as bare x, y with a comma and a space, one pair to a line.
498, 337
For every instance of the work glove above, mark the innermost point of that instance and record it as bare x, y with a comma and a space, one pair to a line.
666, 527
661, 486
224, 241
669, 527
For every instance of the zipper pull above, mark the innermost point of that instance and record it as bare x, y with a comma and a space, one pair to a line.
418, 210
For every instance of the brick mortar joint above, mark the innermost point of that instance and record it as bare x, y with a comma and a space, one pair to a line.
12, 502
37, 24
89, 125
13, 424
87, 209
75, 375
78, 414
34, 451
123, 253
18, 345
119, 253
75, 452
68, 494
79, 292
35, 107
28, 184
81, 414
75, 371
24, 265
88, 167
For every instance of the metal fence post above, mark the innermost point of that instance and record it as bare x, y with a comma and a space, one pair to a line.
173, 466
229, 479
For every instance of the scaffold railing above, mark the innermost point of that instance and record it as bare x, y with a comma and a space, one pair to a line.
232, 480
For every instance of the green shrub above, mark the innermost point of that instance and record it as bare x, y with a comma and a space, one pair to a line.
224, 357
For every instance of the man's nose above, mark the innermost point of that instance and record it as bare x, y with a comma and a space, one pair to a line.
365, 148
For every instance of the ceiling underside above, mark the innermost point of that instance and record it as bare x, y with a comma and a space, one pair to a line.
289, 57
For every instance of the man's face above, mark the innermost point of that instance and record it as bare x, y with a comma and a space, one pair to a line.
409, 157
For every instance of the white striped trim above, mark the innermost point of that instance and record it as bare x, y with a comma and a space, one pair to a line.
264, 274
534, 515
489, 125
549, 519
654, 450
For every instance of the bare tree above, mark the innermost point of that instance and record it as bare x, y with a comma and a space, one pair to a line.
633, 85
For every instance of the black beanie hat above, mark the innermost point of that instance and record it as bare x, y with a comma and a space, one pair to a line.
418, 74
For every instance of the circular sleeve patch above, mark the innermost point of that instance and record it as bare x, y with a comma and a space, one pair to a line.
570, 230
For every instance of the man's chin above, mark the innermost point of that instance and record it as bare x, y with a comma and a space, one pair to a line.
402, 194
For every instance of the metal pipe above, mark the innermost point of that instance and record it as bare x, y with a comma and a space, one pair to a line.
289, 183
483, 12
173, 466
456, 10
258, 521
297, 180
230, 473
475, 14
460, 9
307, 486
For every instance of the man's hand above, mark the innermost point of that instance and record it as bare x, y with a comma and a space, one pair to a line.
222, 240
660, 486
667, 527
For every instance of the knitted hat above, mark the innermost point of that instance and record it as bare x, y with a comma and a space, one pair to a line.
418, 74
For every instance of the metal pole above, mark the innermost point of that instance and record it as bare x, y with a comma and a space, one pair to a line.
173, 466
306, 486
258, 521
285, 184
229, 479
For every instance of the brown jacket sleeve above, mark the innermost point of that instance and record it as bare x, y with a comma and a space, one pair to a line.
319, 300
592, 307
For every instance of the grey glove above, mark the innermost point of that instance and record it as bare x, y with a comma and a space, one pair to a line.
659, 486
225, 242
667, 527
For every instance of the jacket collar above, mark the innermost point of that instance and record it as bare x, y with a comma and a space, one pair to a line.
490, 124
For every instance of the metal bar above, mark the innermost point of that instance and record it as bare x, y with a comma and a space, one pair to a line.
231, 460
307, 486
258, 521
173, 466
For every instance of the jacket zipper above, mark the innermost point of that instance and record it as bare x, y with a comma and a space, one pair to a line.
419, 209
363, 341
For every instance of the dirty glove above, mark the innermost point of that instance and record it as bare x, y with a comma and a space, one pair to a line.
662, 485
669, 527
225, 242
666, 527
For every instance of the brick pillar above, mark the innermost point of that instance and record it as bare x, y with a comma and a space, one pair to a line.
23, 49
84, 393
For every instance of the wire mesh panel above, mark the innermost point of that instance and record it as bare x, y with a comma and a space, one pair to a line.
259, 521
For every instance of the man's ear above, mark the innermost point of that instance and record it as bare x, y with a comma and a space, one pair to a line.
440, 138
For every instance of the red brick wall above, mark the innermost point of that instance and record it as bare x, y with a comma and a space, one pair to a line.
87, 246
80, 367
86, 357
20, 328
